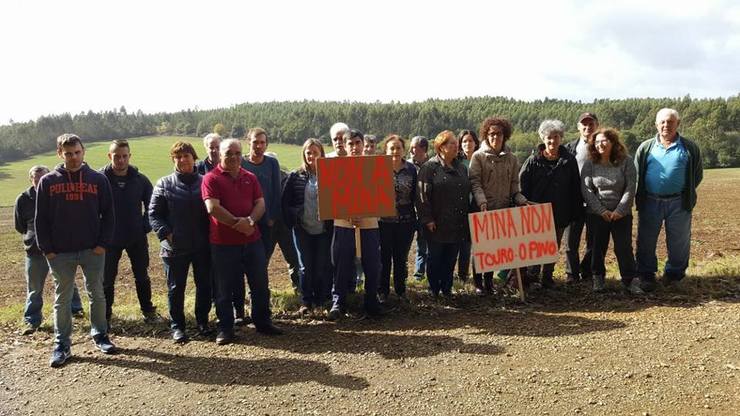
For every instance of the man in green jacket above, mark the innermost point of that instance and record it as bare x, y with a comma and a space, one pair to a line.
669, 169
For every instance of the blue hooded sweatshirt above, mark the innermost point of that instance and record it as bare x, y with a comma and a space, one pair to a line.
74, 211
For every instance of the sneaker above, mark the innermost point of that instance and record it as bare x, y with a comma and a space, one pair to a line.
599, 283
571, 279
304, 310
270, 330
204, 330
670, 282
102, 342
418, 276
29, 329
59, 356
242, 320
647, 284
224, 338
634, 287
179, 336
334, 313
480, 292
78, 313
382, 298
151, 316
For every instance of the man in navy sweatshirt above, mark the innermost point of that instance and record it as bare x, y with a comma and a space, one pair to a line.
131, 194
74, 226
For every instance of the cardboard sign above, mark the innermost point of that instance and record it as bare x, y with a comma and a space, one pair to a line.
356, 187
513, 237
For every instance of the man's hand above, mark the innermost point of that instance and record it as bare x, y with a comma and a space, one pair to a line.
99, 250
243, 226
169, 238
616, 216
483, 207
607, 216
431, 226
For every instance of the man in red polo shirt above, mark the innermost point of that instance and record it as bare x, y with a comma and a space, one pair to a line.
234, 202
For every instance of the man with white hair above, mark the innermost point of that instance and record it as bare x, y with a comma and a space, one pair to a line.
336, 132
211, 143
669, 168
235, 204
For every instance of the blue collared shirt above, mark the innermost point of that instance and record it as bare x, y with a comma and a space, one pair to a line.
666, 168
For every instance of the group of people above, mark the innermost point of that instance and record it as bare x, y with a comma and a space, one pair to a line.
223, 216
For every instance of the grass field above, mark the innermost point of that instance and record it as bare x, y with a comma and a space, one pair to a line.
149, 154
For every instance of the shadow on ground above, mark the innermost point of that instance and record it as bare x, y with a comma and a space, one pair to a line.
228, 371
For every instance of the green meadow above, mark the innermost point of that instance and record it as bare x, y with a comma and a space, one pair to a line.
149, 154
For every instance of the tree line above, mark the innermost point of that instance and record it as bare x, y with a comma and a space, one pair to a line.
714, 123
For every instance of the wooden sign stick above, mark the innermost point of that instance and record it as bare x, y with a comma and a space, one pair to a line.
521, 286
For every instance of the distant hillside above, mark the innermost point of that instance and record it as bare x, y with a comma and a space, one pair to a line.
714, 123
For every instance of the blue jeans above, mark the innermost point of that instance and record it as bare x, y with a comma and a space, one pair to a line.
420, 263
395, 243
63, 268
231, 263
652, 215
343, 257
314, 252
176, 271
36, 271
442, 259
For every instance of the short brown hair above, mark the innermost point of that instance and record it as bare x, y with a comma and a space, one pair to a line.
68, 139
442, 139
619, 150
256, 131
393, 137
115, 144
182, 147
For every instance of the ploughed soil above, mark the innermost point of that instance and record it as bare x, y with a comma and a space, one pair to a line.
564, 351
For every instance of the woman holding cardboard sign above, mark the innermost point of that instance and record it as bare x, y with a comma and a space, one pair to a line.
442, 203
609, 180
494, 177
551, 175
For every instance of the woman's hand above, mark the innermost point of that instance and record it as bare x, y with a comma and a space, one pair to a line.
607, 216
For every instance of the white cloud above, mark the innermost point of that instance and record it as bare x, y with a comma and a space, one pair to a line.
165, 55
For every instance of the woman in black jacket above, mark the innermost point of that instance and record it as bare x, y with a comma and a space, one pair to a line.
442, 204
551, 174
312, 236
178, 215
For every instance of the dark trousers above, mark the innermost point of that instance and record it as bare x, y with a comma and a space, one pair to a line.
395, 243
284, 238
240, 291
138, 254
441, 262
176, 271
621, 233
572, 235
231, 263
314, 252
463, 260
547, 269
345, 273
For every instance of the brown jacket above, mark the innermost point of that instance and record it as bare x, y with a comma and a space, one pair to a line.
495, 178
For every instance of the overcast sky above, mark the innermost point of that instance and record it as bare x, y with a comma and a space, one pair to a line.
73, 56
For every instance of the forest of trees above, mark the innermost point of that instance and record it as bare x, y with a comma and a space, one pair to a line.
713, 123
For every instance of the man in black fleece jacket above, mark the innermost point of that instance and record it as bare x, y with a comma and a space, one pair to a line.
74, 225
132, 192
